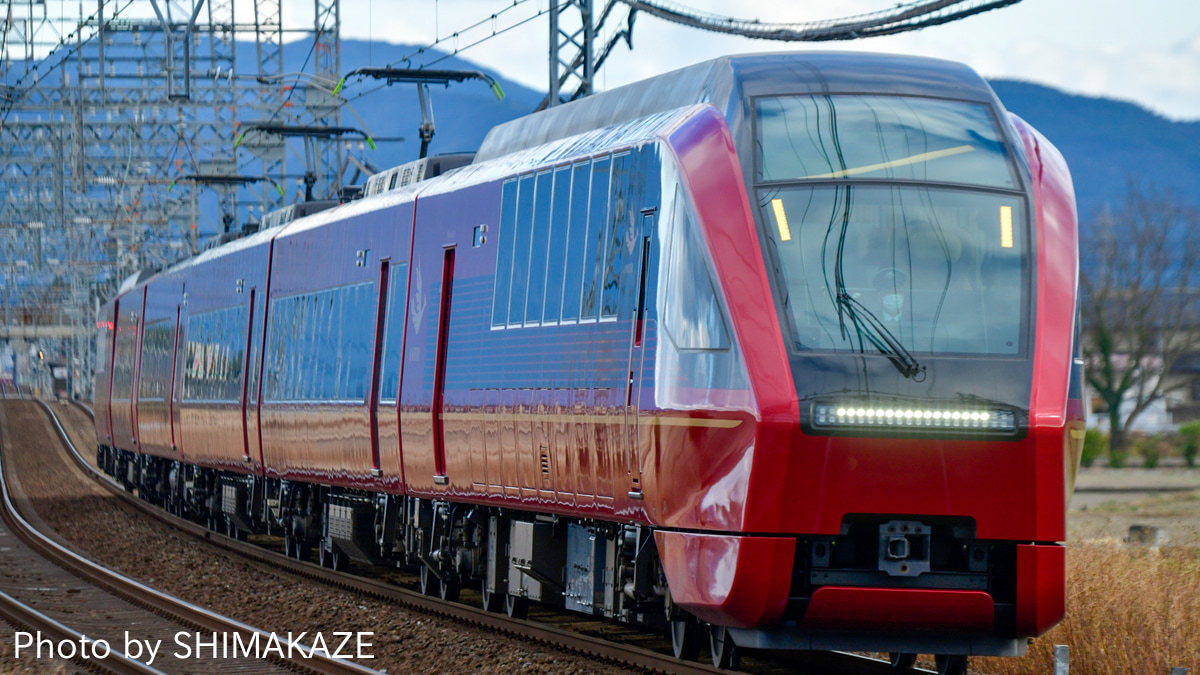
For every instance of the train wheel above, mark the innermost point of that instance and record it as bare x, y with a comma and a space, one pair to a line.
492, 601
341, 562
951, 664
448, 591
324, 557
234, 533
685, 639
429, 582
725, 654
516, 607
901, 660
297, 548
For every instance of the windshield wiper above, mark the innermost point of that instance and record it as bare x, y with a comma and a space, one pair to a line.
867, 326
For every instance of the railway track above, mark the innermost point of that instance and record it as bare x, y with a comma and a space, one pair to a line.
50, 589
536, 630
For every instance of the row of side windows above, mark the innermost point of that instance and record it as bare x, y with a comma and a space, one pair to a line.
319, 345
216, 345
562, 244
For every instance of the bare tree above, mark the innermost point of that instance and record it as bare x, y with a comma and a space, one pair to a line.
1139, 275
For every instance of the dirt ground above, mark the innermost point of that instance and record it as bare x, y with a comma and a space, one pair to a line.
1107, 502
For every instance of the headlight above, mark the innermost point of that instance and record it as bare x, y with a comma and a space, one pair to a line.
850, 414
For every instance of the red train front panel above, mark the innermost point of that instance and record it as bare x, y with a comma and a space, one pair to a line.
910, 478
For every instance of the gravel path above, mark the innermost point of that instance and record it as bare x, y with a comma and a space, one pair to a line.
97, 524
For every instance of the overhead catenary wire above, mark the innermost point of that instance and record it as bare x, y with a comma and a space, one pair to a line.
901, 18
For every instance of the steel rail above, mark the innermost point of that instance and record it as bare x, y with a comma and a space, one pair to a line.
16, 612
641, 658
155, 601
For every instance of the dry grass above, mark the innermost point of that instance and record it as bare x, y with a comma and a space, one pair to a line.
1129, 610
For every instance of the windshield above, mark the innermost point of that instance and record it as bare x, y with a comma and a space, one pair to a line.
933, 270
880, 138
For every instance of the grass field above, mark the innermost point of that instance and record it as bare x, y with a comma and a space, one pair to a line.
1129, 611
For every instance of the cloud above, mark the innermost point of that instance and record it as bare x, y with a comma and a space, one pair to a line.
1165, 80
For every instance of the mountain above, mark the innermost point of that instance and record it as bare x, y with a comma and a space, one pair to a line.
1107, 143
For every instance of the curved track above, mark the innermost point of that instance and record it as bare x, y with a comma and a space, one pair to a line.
535, 631
104, 605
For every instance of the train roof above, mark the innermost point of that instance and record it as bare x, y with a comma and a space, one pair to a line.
725, 81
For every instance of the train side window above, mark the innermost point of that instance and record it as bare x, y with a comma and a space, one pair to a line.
277, 364
234, 346
236, 342
157, 340
307, 358
123, 366
191, 358
340, 327
556, 258
215, 354
594, 255
305, 376
504, 256
692, 316
622, 239
361, 329
393, 329
539, 247
284, 348
576, 241
521, 245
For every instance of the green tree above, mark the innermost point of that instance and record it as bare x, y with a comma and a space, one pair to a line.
1140, 283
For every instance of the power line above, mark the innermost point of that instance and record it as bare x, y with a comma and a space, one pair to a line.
901, 18
454, 36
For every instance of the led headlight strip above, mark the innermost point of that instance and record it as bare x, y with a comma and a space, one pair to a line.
913, 417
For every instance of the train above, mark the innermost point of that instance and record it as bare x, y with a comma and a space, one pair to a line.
773, 352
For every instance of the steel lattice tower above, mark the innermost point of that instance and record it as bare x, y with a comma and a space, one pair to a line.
120, 132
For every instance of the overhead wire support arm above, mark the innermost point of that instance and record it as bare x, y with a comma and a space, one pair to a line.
305, 130
423, 77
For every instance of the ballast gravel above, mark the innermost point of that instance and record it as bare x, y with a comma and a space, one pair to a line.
97, 524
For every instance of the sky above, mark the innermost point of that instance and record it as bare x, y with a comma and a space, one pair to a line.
1145, 51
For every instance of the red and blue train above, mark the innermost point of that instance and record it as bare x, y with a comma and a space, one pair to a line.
773, 352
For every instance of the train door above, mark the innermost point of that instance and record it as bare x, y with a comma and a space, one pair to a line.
172, 390
636, 352
247, 370
112, 362
136, 383
385, 268
439, 376
252, 435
